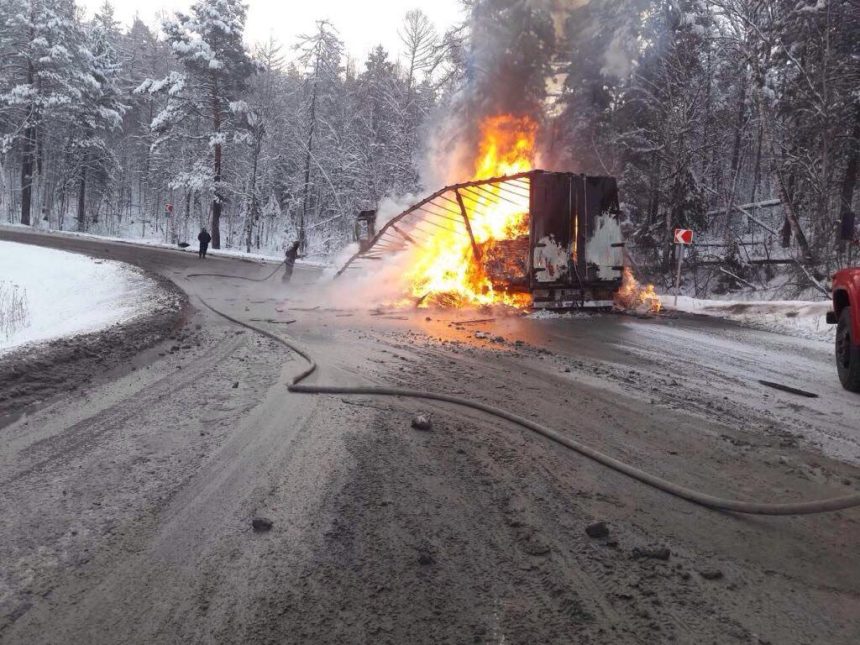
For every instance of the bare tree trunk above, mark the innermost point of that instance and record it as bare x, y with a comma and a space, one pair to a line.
823, 224
253, 207
27, 162
706, 126
654, 201
82, 197
28, 153
308, 147
784, 193
216, 200
187, 217
739, 128
849, 179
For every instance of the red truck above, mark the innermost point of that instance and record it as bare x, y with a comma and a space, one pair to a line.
846, 317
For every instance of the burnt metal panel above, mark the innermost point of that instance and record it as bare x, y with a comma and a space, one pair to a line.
602, 229
550, 225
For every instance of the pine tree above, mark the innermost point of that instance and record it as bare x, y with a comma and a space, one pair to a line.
39, 42
321, 55
99, 111
208, 43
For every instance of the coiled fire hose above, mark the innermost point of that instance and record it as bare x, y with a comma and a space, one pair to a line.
754, 508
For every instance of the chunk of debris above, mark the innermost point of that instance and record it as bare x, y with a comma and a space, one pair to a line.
422, 422
711, 574
425, 555
236, 385
482, 335
790, 390
659, 553
533, 544
597, 530
261, 524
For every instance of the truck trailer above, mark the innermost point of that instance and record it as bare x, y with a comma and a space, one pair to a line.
570, 255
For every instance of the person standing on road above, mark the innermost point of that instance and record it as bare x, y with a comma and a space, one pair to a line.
292, 254
204, 238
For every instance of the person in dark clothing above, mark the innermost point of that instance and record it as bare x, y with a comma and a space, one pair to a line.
204, 238
292, 254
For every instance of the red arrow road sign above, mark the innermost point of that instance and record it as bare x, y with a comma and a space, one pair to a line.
683, 236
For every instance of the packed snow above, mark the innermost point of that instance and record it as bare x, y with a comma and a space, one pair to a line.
794, 317
69, 294
800, 318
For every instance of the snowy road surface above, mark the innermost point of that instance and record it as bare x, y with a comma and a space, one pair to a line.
126, 509
68, 293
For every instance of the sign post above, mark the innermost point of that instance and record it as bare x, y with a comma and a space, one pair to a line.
169, 224
683, 238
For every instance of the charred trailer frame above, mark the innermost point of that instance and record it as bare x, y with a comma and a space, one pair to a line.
573, 253
576, 244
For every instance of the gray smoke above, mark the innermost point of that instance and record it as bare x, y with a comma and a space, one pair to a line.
514, 54
508, 58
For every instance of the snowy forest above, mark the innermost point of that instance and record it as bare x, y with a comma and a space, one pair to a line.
739, 119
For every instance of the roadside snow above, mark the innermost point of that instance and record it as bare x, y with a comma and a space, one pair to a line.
70, 294
801, 318
795, 317
314, 261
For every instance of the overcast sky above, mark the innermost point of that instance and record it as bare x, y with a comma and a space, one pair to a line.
362, 24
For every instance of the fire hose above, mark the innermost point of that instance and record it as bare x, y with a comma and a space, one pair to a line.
298, 386
236, 277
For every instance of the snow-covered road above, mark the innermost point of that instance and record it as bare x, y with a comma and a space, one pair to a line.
69, 294
127, 505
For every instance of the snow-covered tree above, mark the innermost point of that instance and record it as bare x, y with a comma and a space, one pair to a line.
321, 56
39, 41
421, 49
208, 43
98, 112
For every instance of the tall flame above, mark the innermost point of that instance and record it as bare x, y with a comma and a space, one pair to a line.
445, 270
633, 296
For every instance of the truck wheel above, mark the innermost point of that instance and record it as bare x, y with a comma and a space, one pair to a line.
847, 353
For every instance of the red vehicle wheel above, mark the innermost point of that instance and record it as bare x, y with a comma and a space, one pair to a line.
847, 353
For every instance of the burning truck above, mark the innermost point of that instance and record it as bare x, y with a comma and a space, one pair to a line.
549, 240
512, 235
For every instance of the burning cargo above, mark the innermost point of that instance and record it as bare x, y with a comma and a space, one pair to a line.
536, 238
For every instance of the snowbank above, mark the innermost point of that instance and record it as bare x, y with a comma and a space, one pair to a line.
314, 261
795, 317
69, 294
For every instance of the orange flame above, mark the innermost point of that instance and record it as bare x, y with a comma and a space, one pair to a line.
633, 296
445, 271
